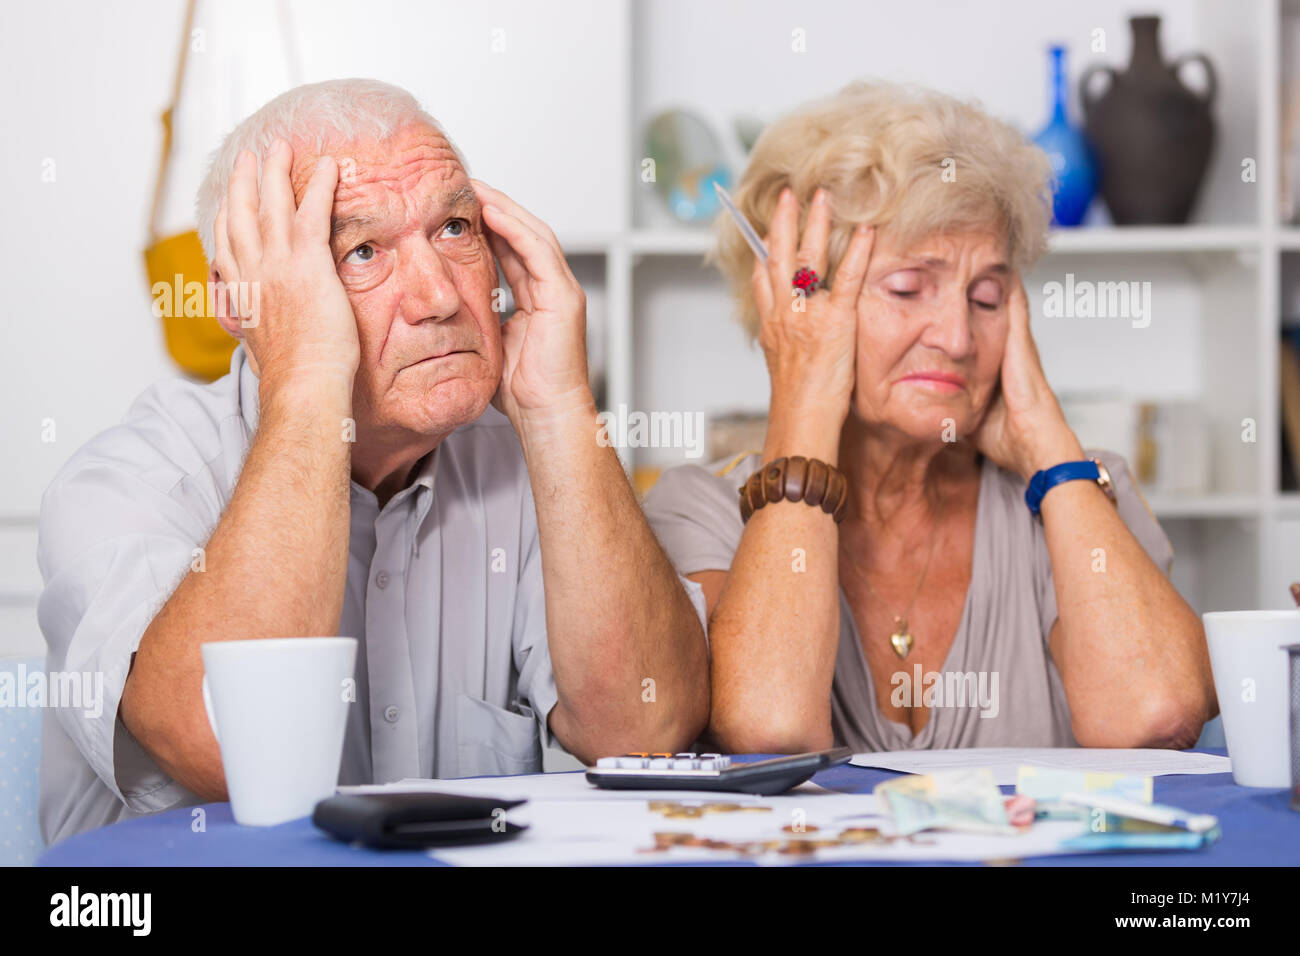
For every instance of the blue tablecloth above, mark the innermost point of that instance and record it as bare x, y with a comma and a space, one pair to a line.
1258, 830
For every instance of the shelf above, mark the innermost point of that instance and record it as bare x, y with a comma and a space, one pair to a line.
586, 244
1156, 240
1204, 506
671, 242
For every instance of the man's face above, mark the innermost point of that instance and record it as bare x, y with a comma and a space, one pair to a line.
409, 245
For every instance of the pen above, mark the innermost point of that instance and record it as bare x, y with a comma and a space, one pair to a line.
1150, 812
742, 224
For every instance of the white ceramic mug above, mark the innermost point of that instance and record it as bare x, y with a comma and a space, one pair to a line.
1251, 679
278, 708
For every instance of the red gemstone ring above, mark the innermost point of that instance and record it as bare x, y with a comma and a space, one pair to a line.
806, 279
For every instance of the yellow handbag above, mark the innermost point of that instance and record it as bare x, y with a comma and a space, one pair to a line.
178, 270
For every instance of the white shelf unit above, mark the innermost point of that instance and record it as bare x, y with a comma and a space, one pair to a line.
558, 123
664, 306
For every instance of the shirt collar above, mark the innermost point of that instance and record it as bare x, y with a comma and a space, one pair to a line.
420, 488
424, 479
250, 410
248, 393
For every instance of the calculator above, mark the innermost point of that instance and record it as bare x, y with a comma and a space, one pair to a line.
690, 771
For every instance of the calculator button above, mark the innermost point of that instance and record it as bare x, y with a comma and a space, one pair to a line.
661, 755
607, 762
685, 756
710, 756
633, 763
637, 755
661, 763
685, 763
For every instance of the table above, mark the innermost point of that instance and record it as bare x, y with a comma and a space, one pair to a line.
1258, 830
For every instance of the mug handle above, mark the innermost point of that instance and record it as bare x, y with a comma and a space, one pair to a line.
207, 706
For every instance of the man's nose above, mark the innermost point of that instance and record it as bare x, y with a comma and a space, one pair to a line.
427, 283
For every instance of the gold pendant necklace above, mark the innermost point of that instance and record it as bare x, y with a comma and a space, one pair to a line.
901, 639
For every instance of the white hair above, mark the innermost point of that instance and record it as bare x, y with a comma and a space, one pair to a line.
318, 114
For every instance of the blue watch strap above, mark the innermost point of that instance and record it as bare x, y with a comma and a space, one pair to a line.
1049, 478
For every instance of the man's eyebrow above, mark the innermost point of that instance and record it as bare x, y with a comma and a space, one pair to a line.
463, 196
339, 226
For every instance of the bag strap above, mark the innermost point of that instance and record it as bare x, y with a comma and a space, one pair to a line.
294, 63
161, 179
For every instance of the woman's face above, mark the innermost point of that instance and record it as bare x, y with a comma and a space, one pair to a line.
932, 325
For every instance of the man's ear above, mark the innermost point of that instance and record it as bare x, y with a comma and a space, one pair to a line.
223, 304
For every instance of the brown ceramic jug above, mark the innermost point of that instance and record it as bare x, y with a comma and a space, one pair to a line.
1152, 133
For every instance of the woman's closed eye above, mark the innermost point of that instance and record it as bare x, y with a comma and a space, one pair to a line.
904, 284
910, 284
987, 295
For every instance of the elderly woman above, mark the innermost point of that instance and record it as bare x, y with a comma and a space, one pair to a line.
922, 556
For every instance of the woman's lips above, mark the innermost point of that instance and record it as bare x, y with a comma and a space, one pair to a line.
939, 381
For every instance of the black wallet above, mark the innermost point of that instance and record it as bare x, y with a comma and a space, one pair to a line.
415, 820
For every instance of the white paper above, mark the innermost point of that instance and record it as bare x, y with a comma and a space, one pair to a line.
567, 786
571, 822
586, 832
1005, 760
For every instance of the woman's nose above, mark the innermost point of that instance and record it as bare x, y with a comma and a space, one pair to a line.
949, 326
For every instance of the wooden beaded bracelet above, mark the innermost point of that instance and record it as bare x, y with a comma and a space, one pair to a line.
809, 480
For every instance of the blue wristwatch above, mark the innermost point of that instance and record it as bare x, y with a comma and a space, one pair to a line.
1049, 478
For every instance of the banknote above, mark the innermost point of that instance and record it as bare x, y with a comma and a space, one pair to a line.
1171, 840
1114, 823
965, 799
1048, 783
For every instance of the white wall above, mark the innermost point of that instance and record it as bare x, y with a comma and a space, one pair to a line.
84, 84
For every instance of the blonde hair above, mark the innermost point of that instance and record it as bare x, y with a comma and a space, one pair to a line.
910, 161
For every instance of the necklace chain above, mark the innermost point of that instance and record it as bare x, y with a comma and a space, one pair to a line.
915, 594
901, 638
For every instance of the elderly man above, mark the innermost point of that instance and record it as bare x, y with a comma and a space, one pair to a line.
349, 477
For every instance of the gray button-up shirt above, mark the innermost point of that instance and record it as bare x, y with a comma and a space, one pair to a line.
444, 593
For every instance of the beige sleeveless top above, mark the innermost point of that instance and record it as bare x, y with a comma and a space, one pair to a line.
998, 686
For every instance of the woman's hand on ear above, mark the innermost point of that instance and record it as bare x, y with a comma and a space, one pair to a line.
1024, 429
808, 339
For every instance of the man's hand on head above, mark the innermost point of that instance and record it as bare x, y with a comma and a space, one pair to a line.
284, 297
545, 341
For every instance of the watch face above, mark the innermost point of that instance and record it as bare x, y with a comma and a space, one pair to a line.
1103, 479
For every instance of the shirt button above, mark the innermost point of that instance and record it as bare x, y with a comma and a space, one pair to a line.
381, 580
390, 713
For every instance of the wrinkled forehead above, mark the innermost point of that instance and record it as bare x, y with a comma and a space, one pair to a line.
416, 162
978, 249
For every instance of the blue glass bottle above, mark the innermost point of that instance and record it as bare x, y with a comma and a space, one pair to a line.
1073, 166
